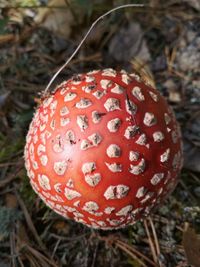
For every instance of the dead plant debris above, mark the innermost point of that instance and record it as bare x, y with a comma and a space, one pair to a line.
161, 40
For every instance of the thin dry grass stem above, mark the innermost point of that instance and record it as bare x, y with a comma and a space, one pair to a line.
170, 58
46, 261
180, 75
36, 258
136, 252
132, 255
70, 239
151, 244
12, 250
20, 262
85, 37
95, 255
154, 235
156, 241
55, 248
195, 177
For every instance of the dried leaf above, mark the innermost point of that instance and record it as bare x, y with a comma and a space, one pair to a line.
56, 17
191, 244
128, 43
193, 3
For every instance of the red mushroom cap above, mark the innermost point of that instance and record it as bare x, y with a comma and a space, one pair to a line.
103, 149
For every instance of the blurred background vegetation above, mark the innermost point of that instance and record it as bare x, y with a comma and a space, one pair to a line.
36, 38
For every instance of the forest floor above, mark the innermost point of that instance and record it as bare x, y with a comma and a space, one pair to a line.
164, 37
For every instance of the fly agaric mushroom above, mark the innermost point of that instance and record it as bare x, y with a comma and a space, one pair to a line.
103, 149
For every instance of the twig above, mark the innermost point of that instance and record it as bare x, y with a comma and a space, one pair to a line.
137, 252
153, 251
154, 235
155, 240
55, 248
71, 239
95, 254
197, 180
20, 262
12, 249
85, 37
132, 255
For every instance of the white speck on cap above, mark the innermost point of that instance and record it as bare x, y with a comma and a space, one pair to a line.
125, 78
96, 117
71, 194
117, 89
98, 94
95, 139
137, 93
85, 144
112, 104
113, 125
64, 111
64, 121
91, 207
133, 155
60, 167
149, 119
109, 72
157, 177
44, 182
116, 191
109, 210
167, 118
114, 167
142, 140
113, 151
82, 122
93, 179
131, 108
83, 103
70, 96
165, 156
105, 84
130, 131
138, 169
153, 96
89, 79
124, 211
44, 160
88, 167
141, 192
158, 136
